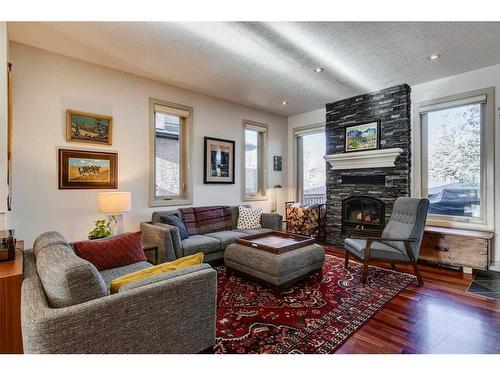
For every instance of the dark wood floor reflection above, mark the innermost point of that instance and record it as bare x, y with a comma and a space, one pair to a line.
440, 317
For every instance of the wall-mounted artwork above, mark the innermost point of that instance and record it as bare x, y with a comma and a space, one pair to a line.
80, 169
88, 127
362, 137
218, 161
278, 163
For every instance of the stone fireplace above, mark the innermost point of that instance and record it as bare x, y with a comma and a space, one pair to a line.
361, 187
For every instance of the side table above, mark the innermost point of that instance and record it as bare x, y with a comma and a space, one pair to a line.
11, 279
151, 248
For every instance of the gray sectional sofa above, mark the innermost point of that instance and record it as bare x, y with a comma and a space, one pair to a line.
66, 306
171, 247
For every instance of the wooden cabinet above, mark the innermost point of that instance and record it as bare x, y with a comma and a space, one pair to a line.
458, 247
11, 279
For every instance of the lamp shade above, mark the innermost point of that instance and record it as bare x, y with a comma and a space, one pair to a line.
114, 203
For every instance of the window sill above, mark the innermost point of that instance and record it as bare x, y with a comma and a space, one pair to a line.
254, 199
441, 222
171, 202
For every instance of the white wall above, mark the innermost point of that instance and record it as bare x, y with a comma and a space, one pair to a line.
311, 118
46, 84
460, 83
3, 124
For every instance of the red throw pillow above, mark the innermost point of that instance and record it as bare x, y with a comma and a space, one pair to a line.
114, 252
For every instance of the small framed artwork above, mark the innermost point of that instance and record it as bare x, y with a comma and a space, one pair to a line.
218, 161
362, 137
81, 169
278, 163
88, 127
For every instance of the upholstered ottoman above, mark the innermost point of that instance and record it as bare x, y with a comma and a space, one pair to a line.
277, 269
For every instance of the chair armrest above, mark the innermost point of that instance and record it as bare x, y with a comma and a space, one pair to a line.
380, 239
170, 316
272, 221
166, 237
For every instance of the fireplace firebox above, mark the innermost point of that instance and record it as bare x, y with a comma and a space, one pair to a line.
363, 213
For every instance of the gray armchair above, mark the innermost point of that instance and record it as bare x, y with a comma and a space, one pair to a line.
400, 240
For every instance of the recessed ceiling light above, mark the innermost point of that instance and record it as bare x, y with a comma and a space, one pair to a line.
319, 70
434, 57
284, 102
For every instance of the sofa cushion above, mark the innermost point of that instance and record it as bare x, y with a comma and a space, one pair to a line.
158, 216
377, 250
68, 279
226, 237
202, 220
176, 222
184, 262
113, 273
115, 252
163, 276
251, 232
48, 239
249, 218
200, 243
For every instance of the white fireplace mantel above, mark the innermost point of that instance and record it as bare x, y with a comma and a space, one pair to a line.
364, 159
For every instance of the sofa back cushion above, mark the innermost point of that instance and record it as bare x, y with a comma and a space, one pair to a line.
114, 252
66, 278
202, 220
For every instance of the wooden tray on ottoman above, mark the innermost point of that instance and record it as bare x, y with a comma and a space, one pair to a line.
275, 242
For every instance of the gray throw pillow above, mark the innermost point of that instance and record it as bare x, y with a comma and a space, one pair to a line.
176, 222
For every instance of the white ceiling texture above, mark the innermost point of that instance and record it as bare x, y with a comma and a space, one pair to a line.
261, 64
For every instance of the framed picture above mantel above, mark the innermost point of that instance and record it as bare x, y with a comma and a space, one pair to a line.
82, 169
218, 165
362, 137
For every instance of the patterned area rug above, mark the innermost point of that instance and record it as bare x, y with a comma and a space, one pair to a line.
314, 316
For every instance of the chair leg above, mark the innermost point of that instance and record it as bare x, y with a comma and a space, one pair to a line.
393, 266
417, 272
346, 261
365, 271
366, 258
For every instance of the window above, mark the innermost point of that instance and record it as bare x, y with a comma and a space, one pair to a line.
456, 156
311, 167
255, 135
170, 125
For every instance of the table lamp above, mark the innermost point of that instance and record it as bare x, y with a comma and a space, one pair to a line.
113, 204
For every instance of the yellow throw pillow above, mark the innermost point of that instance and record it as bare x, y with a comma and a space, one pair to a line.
190, 260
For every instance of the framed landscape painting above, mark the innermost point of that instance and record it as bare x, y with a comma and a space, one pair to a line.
88, 127
79, 169
218, 161
362, 137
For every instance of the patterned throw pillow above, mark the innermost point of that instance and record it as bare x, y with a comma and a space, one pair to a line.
112, 252
249, 218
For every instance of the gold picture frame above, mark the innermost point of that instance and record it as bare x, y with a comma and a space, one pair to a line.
86, 127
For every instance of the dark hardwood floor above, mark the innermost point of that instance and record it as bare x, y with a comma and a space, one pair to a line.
440, 317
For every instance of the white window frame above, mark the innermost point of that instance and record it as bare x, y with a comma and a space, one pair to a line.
185, 158
262, 129
486, 221
298, 133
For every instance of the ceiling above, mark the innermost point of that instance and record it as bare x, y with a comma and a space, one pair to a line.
261, 64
